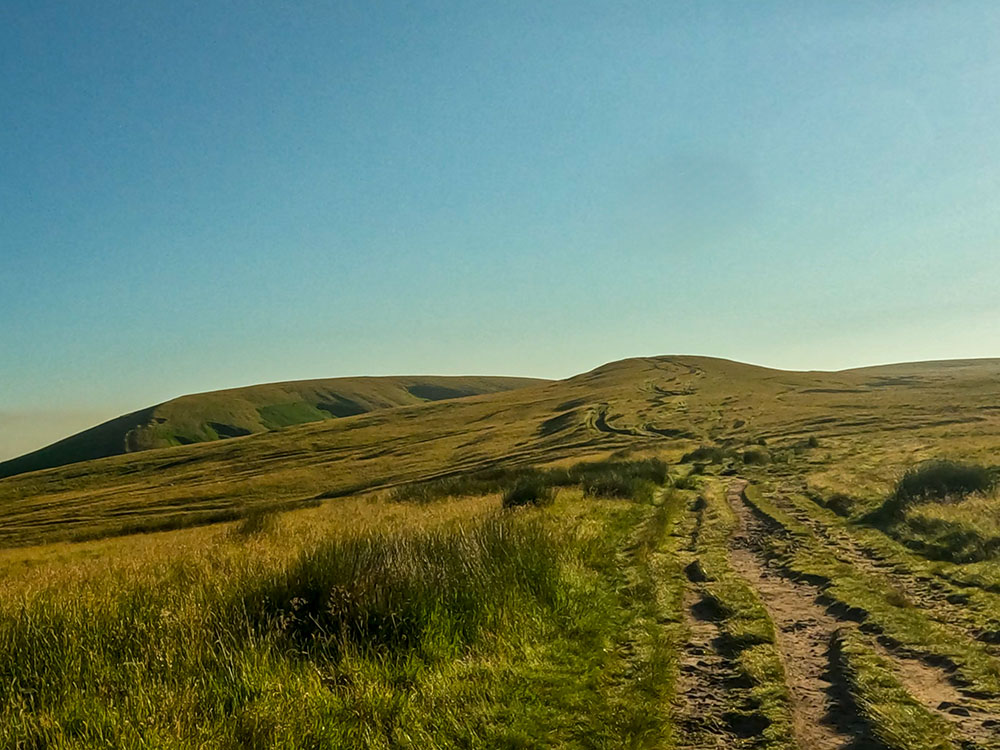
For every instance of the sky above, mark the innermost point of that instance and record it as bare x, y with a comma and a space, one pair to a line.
198, 195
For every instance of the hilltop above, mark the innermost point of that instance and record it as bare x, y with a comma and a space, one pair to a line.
670, 405
661, 552
238, 412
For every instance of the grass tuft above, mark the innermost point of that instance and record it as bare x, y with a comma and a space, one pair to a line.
528, 491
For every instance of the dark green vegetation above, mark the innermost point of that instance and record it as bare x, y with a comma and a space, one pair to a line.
577, 564
936, 481
609, 478
246, 411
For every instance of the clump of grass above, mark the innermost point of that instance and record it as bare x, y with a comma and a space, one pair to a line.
484, 482
528, 491
940, 480
257, 520
840, 504
961, 532
707, 454
624, 480
652, 470
686, 482
756, 456
936, 481
610, 485
431, 592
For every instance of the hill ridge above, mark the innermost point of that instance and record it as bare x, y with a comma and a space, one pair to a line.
246, 410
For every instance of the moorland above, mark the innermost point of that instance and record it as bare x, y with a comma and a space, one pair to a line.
678, 552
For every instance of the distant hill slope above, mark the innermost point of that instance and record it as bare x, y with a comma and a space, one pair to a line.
869, 419
237, 412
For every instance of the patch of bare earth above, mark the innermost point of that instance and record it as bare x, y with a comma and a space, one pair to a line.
935, 598
790, 602
704, 682
804, 632
973, 723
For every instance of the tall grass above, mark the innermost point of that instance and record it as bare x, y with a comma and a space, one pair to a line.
944, 510
431, 592
939, 481
313, 653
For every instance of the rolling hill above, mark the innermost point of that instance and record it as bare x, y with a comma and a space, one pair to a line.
238, 412
872, 418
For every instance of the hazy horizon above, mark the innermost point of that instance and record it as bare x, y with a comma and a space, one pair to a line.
193, 198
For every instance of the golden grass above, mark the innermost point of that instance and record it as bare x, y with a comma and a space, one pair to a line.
870, 426
219, 546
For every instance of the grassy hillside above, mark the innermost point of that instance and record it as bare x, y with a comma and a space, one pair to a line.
238, 412
768, 560
877, 420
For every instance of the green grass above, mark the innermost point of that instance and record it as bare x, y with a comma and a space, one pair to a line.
666, 406
621, 479
934, 481
892, 714
550, 627
527, 492
236, 412
877, 603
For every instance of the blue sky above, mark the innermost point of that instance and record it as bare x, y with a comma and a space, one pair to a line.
201, 195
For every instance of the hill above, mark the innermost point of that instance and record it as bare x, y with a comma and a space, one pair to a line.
668, 405
238, 412
662, 552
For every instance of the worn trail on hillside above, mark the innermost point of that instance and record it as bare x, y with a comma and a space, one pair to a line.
804, 632
705, 679
790, 602
938, 599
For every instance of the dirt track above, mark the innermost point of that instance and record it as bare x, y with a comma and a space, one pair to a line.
823, 716
804, 632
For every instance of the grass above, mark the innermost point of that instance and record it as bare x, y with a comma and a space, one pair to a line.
878, 604
864, 431
893, 716
934, 481
441, 625
252, 658
363, 623
236, 412
527, 492
621, 479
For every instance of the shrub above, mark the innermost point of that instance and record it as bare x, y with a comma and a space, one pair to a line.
935, 481
256, 521
840, 504
710, 454
756, 456
686, 482
529, 491
940, 480
613, 484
